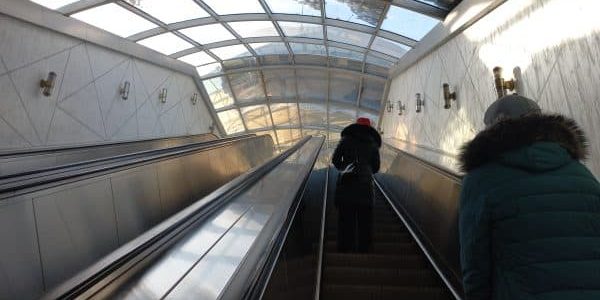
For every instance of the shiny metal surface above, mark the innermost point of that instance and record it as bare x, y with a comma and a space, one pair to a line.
20, 266
429, 198
75, 227
215, 260
16, 162
81, 221
137, 209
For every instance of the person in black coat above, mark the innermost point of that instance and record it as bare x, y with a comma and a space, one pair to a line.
357, 158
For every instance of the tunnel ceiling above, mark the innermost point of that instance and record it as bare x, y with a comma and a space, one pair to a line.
284, 67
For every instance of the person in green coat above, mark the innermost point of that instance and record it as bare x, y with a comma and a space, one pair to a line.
529, 219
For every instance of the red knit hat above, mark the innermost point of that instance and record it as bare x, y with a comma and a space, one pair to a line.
363, 121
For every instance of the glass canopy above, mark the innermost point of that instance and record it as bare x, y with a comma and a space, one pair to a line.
281, 67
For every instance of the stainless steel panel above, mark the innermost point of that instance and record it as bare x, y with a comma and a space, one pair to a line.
76, 226
198, 172
159, 278
430, 198
173, 185
211, 275
137, 201
20, 267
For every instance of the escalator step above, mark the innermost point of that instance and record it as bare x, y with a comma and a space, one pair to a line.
353, 292
396, 248
376, 260
377, 277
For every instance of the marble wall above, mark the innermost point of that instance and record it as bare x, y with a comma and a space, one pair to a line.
85, 107
555, 43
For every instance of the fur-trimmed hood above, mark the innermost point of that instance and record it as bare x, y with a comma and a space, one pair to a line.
512, 134
362, 132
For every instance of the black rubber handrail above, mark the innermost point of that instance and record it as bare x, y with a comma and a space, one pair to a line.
155, 241
11, 185
257, 283
51, 150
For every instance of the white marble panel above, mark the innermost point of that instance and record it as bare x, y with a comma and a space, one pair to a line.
29, 43
103, 60
83, 106
13, 111
27, 83
78, 73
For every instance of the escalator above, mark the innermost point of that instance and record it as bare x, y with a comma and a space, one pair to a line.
394, 268
270, 233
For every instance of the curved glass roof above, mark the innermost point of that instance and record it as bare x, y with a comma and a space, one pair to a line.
283, 67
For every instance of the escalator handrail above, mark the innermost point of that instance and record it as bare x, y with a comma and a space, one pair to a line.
322, 237
154, 241
11, 186
257, 283
438, 269
58, 149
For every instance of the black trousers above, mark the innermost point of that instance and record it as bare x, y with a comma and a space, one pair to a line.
355, 226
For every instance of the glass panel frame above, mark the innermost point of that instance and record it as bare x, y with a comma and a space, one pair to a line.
210, 69
280, 83
197, 59
372, 93
344, 87
360, 12
293, 7
231, 121
275, 48
233, 7
166, 43
285, 114
249, 29
256, 116
347, 36
389, 47
231, 52
314, 114
308, 49
340, 116
116, 23
408, 23
312, 84
218, 91
247, 86
207, 34
299, 29
172, 11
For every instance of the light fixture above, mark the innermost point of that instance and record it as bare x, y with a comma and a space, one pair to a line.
420, 102
389, 106
163, 95
448, 96
503, 86
401, 108
194, 98
124, 90
47, 85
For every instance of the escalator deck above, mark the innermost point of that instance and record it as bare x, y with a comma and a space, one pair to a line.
394, 268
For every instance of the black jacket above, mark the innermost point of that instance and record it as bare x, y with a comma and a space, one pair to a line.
359, 145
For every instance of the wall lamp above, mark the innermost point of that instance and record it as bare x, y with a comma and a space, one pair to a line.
503, 86
401, 108
389, 107
47, 84
124, 90
194, 98
420, 102
163, 95
448, 96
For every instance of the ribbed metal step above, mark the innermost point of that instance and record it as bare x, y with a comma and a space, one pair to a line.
394, 268
354, 292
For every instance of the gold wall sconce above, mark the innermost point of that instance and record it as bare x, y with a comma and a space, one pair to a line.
401, 108
47, 84
448, 96
503, 86
124, 90
389, 107
163, 95
194, 98
420, 103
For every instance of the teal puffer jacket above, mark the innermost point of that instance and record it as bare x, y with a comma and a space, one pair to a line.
530, 213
